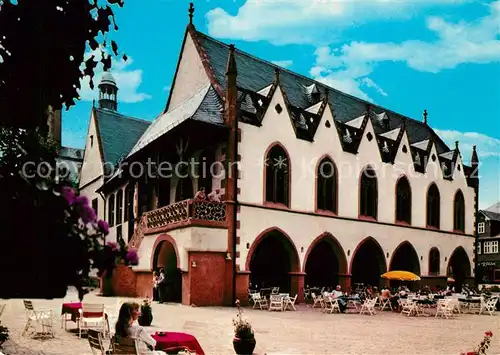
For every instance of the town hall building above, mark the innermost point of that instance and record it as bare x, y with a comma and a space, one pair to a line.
313, 187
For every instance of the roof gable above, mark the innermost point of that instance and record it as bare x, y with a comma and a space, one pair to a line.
117, 134
254, 74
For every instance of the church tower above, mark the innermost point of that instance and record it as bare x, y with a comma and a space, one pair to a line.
108, 91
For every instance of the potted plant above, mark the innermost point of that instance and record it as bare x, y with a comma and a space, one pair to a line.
146, 316
4, 334
244, 340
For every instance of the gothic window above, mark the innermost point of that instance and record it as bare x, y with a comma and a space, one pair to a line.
277, 176
434, 262
433, 206
326, 178
403, 201
119, 206
111, 210
129, 202
368, 196
459, 212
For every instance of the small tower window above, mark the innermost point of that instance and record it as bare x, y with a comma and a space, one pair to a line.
91, 141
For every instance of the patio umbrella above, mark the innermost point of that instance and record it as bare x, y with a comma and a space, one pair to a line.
401, 276
450, 279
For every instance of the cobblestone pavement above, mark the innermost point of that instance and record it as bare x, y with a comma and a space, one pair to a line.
307, 331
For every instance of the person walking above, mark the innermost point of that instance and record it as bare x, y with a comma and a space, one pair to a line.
155, 286
162, 283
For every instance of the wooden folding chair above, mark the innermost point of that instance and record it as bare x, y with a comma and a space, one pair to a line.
124, 346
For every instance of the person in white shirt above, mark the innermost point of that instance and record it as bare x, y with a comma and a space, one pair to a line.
128, 327
214, 195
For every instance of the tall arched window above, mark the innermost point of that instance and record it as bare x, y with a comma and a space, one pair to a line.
403, 200
368, 193
119, 206
434, 261
459, 212
326, 182
277, 176
111, 210
129, 202
433, 206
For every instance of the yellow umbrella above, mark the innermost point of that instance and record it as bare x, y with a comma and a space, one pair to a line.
401, 276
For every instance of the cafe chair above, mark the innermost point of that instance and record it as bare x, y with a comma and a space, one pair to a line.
259, 301
95, 339
290, 303
92, 316
124, 346
368, 306
489, 306
43, 318
317, 300
276, 303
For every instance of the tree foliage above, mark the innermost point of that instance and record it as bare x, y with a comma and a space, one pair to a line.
42, 48
49, 238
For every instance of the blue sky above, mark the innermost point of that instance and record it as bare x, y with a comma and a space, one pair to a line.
439, 55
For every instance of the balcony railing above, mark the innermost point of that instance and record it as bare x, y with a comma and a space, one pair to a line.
185, 211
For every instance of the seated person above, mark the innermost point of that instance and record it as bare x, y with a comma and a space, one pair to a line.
337, 294
200, 195
214, 195
128, 327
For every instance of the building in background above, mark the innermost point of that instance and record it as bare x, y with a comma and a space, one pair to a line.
488, 240
328, 189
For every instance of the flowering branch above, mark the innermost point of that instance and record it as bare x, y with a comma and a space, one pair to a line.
482, 347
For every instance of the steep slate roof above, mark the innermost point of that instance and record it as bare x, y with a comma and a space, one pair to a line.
491, 215
255, 74
118, 133
205, 106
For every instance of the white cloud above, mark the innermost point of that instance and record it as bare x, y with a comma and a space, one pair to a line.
486, 146
283, 63
456, 43
128, 81
307, 21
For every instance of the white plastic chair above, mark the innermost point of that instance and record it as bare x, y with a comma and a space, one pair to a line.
317, 300
275, 291
488, 306
276, 303
290, 303
92, 316
95, 341
259, 301
385, 303
444, 308
42, 318
368, 306
331, 304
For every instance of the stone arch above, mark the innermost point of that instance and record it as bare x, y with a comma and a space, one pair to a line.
166, 255
367, 263
280, 179
405, 258
434, 261
459, 267
324, 261
271, 259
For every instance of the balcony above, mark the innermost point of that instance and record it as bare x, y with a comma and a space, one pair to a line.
185, 213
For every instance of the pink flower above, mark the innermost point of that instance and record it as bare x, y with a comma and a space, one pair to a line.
68, 194
103, 227
82, 200
114, 246
488, 333
132, 257
87, 214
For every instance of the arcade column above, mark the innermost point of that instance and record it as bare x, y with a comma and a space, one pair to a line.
297, 285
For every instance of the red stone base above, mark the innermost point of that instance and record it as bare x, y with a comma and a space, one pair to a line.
202, 285
242, 283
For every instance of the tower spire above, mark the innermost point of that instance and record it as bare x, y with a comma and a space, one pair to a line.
191, 12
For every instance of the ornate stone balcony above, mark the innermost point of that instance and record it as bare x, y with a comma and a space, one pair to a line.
185, 212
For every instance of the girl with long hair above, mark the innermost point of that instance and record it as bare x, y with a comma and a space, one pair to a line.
128, 327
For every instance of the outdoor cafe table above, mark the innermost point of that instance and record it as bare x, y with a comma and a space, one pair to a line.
72, 309
473, 303
173, 339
